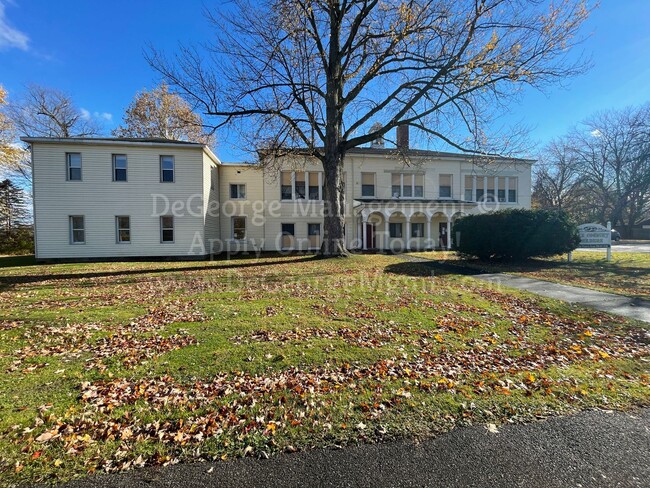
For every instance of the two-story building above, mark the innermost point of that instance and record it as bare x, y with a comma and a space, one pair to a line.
98, 198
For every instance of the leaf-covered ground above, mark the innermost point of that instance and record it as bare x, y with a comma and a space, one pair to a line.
626, 274
115, 366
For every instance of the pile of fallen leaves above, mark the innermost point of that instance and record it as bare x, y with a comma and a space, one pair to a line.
241, 405
130, 343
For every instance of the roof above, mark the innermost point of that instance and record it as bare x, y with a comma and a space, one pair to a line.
421, 153
129, 141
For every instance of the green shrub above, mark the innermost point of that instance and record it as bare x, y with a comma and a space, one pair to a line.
18, 241
515, 234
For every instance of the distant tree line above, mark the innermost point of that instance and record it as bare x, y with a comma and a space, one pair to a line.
16, 232
600, 170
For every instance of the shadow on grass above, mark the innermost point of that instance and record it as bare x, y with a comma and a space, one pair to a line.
429, 268
12, 261
239, 263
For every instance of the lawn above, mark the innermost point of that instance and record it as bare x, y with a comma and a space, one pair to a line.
626, 274
120, 365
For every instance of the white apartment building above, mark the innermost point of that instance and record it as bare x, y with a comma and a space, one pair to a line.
106, 198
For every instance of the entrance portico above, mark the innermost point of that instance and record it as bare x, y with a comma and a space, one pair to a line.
402, 226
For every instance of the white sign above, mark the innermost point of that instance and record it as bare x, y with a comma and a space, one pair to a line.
595, 236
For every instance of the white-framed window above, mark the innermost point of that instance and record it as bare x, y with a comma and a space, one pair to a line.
239, 228
123, 229
491, 188
301, 185
313, 234
167, 169
417, 229
167, 229
445, 186
368, 184
77, 229
237, 191
407, 185
73, 166
119, 167
315, 186
395, 229
288, 235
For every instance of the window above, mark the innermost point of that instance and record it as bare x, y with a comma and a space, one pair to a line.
299, 185
444, 188
288, 234
367, 184
395, 229
314, 187
491, 188
74, 166
119, 167
512, 190
123, 229
167, 169
501, 192
313, 233
167, 228
407, 185
238, 192
469, 185
480, 188
77, 229
489, 191
239, 228
286, 190
417, 229
418, 186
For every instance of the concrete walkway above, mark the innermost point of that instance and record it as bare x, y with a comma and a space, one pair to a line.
634, 308
588, 449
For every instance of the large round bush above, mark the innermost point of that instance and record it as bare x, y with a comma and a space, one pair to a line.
516, 234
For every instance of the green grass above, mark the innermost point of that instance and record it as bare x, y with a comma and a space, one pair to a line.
259, 356
626, 274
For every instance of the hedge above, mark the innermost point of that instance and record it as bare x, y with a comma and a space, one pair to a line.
515, 234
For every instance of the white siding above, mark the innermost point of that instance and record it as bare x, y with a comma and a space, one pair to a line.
99, 199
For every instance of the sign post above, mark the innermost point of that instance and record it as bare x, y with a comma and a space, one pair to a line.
596, 236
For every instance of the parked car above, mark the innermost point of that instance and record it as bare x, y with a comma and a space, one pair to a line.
616, 235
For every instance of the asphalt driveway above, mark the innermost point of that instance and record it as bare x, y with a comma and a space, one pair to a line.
592, 449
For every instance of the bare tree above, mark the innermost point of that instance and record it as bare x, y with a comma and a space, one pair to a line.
159, 113
46, 112
601, 170
559, 182
318, 74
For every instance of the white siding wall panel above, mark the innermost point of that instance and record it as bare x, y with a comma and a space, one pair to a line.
100, 199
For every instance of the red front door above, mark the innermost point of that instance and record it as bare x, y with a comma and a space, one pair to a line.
370, 236
442, 227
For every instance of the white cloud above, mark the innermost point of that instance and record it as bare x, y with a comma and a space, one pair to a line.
87, 115
596, 133
9, 36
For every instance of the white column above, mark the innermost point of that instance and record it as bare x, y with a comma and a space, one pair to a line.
408, 233
386, 233
428, 241
507, 189
448, 233
496, 189
364, 231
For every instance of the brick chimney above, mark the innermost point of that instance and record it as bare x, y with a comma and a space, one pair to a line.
403, 137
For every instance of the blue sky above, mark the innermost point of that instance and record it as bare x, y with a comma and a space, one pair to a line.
94, 51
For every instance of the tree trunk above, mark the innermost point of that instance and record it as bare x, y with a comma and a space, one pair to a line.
334, 206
